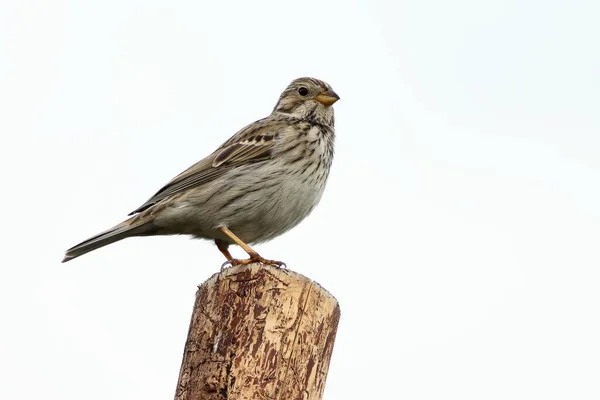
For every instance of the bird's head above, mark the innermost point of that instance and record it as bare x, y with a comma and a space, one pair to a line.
308, 98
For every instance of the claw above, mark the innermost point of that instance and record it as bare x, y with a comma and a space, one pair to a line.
257, 259
226, 264
279, 264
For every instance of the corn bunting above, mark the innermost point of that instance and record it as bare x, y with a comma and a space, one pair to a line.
259, 184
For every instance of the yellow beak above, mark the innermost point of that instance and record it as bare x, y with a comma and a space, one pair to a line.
327, 97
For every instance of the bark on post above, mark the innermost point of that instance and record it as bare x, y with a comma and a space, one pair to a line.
258, 332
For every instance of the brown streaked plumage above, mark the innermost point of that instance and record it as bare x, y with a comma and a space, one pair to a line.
260, 183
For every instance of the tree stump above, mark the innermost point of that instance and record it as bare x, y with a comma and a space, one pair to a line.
258, 332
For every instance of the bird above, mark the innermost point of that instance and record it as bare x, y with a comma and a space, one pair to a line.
257, 185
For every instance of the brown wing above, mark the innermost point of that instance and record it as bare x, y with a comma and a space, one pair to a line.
252, 144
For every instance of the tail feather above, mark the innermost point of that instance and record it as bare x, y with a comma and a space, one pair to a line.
114, 234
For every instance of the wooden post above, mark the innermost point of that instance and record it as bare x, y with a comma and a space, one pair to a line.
258, 332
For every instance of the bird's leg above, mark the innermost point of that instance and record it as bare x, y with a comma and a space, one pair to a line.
224, 248
238, 241
254, 256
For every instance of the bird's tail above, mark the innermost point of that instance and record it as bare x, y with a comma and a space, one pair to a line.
128, 228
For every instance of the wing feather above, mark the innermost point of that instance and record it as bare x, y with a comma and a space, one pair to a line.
252, 144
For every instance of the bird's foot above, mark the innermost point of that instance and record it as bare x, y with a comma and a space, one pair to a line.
253, 259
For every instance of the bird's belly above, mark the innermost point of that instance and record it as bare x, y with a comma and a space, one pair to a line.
256, 205
268, 214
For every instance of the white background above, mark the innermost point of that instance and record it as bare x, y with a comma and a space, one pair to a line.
459, 230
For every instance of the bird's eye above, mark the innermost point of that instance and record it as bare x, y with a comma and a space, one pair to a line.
303, 91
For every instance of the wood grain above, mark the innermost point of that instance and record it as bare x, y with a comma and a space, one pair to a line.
258, 332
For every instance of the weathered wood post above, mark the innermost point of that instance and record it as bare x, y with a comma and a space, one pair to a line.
258, 332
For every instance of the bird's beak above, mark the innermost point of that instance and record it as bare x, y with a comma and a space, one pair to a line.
327, 97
